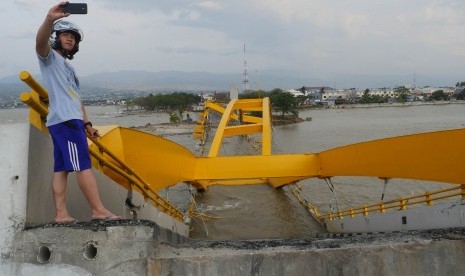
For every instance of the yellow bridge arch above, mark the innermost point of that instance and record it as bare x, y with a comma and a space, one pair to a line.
162, 163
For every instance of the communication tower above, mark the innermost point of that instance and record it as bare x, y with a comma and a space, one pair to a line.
245, 81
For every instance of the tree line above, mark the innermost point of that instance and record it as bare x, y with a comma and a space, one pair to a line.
167, 102
280, 100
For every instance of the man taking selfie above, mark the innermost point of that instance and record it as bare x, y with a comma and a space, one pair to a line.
67, 120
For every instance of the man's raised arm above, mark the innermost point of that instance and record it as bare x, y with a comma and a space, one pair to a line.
45, 30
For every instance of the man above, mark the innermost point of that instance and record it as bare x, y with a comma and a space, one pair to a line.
67, 120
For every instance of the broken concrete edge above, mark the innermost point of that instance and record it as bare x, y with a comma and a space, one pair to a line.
325, 240
319, 240
94, 225
159, 233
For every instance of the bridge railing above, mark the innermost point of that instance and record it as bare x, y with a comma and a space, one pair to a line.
134, 179
398, 204
37, 99
427, 198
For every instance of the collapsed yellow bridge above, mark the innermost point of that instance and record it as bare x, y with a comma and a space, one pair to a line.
149, 163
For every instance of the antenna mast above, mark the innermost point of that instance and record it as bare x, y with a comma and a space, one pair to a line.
245, 82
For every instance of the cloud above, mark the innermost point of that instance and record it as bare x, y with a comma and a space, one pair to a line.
21, 35
210, 5
311, 37
34, 3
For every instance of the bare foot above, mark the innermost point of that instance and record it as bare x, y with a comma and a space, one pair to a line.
65, 220
104, 214
110, 217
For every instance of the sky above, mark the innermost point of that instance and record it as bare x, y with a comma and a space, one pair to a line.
327, 41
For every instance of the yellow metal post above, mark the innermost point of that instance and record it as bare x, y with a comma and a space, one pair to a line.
428, 198
216, 144
403, 205
365, 210
266, 130
37, 99
29, 80
381, 208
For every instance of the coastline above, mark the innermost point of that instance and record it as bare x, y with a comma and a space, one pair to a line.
406, 104
142, 112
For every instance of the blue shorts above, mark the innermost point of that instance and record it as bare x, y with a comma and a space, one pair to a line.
70, 148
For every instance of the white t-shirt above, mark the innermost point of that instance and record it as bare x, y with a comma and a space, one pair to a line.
62, 84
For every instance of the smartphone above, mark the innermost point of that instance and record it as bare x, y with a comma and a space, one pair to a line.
75, 8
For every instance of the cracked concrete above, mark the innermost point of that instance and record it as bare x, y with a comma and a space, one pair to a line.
433, 252
139, 247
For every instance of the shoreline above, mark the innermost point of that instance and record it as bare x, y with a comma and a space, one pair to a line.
373, 105
357, 105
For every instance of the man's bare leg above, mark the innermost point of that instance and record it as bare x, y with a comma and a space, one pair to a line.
59, 182
89, 188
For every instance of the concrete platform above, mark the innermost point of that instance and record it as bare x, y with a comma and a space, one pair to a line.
134, 247
438, 252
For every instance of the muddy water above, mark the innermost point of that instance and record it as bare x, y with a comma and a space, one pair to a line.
258, 211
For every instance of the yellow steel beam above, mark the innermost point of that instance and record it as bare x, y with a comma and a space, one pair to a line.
236, 182
242, 129
249, 119
197, 135
199, 128
165, 163
274, 182
434, 156
259, 108
266, 130
246, 118
37, 99
256, 126
218, 139
29, 80
393, 157
159, 161
215, 107
256, 166
245, 104
249, 104
34, 103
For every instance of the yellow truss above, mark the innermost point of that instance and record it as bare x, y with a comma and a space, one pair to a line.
435, 156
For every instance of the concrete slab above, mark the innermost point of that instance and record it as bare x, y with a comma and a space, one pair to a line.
135, 248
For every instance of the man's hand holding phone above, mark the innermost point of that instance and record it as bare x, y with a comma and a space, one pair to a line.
75, 8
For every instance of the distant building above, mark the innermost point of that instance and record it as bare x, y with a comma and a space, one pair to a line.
295, 93
317, 93
206, 97
328, 96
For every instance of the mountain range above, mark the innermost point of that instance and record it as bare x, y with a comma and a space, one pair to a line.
167, 81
